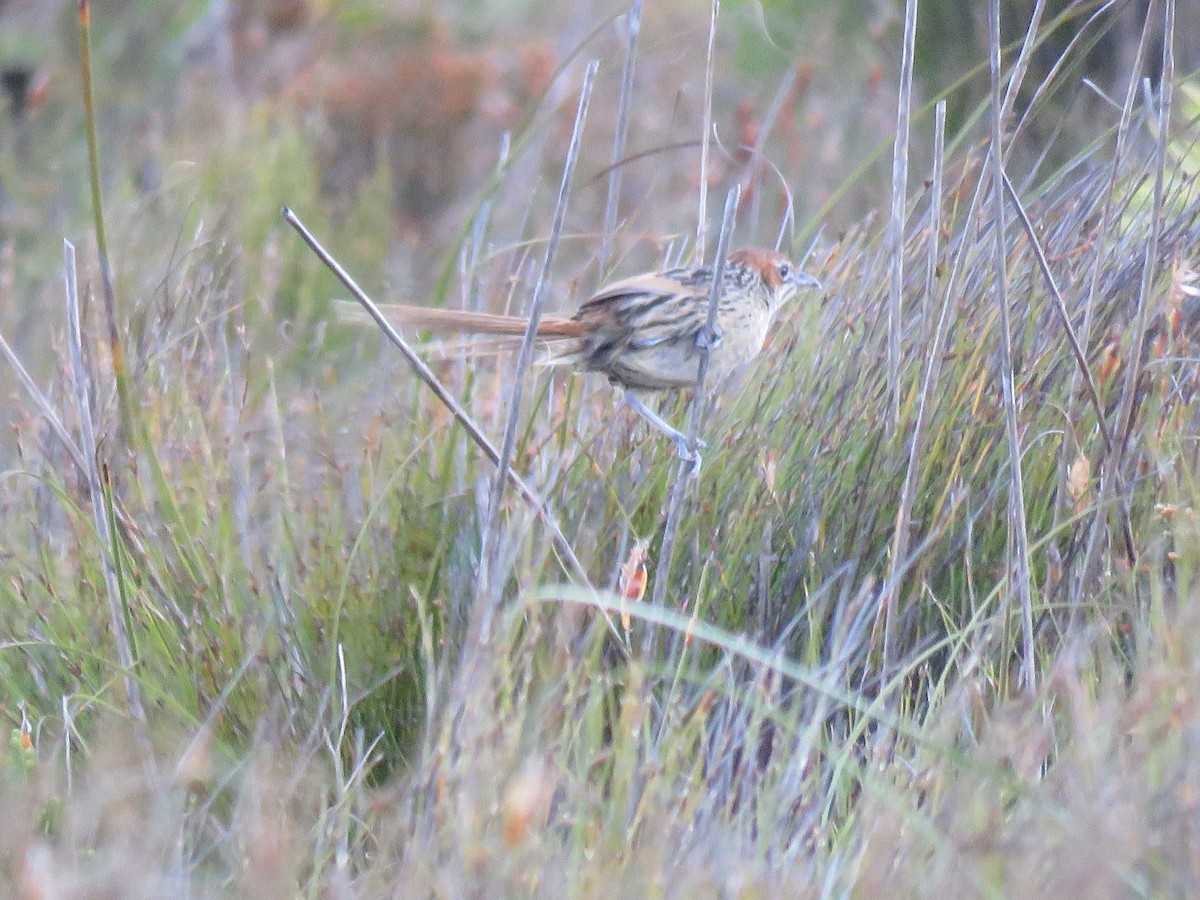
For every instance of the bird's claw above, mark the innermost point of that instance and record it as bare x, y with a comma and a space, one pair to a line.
690, 453
709, 340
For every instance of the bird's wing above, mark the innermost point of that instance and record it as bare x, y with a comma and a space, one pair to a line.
645, 310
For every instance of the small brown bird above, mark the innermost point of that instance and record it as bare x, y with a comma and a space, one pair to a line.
646, 332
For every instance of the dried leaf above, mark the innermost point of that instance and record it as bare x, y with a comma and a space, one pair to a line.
526, 803
632, 583
1110, 361
769, 466
1079, 475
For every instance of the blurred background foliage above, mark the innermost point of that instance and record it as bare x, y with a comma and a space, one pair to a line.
389, 117
406, 133
411, 99
304, 523
398, 130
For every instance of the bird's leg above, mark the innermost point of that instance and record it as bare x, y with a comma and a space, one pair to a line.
682, 445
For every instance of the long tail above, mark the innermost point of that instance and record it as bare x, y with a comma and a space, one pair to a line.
549, 327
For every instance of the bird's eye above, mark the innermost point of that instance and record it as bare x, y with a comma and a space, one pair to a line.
785, 271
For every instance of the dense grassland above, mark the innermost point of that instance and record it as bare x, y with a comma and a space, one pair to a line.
922, 625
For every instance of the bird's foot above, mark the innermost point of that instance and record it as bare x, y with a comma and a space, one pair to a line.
689, 452
709, 339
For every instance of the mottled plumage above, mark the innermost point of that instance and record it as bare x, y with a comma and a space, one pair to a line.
646, 332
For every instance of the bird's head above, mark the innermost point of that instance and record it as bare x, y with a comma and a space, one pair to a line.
782, 278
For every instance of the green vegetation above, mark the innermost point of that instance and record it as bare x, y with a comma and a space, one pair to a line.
844, 689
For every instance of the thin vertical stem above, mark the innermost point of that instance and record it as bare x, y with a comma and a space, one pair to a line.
899, 202
933, 368
1099, 256
1112, 478
1124, 425
1017, 75
666, 553
1018, 534
489, 590
618, 148
117, 352
753, 163
706, 137
101, 501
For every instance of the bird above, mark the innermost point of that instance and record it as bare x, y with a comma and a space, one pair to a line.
647, 333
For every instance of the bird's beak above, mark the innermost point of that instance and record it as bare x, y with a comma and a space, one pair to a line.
803, 280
